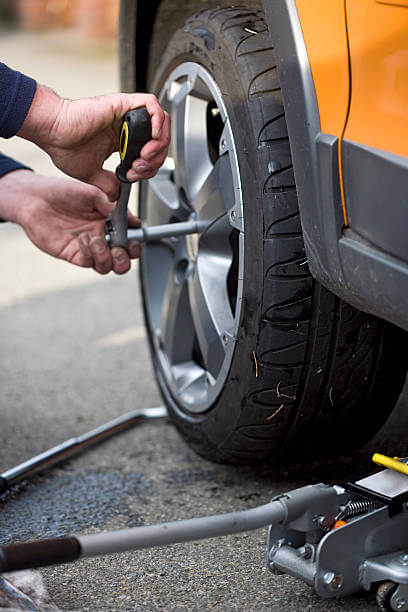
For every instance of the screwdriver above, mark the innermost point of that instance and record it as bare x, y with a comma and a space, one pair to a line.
136, 131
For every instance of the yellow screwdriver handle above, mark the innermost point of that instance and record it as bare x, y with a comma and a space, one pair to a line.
392, 464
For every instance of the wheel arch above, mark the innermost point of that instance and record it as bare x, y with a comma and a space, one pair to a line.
314, 154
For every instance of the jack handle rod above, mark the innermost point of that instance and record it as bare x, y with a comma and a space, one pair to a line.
303, 503
74, 446
54, 551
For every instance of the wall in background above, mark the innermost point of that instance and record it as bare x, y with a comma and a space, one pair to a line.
92, 18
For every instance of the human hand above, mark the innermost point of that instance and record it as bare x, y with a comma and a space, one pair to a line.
79, 135
65, 218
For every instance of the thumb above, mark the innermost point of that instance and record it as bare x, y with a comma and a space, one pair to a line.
107, 182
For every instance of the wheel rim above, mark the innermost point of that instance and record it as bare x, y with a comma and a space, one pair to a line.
193, 285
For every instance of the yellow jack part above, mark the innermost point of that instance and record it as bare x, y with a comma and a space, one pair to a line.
392, 464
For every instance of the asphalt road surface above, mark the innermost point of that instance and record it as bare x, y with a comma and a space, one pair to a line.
74, 355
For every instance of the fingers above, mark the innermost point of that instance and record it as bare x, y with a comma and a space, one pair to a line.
157, 115
134, 249
133, 220
100, 203
152, 155
161, 145
86, 259
120, 260
122, 103
95, 253
107, 182
101, 255
105, 259
142, 170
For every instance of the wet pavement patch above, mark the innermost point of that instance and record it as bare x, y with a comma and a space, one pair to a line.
69, 503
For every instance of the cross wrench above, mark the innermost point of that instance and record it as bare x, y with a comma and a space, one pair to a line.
136, 131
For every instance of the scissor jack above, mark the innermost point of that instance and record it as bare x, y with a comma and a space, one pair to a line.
338, 539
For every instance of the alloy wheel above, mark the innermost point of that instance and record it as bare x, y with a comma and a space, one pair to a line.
193, 284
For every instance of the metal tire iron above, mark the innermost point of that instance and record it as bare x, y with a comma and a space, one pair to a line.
136, 131
75, 446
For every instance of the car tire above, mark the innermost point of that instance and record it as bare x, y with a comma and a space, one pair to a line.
308, 373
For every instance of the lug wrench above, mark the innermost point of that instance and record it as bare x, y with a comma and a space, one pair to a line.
74, 446
136, 131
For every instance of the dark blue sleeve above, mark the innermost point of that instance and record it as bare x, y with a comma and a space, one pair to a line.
8, 165
16, 94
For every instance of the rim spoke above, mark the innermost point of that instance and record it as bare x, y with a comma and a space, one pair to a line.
163, 204
189, 141
177, 337
211, 314
216, 195
215, 241
163, 184
158, 209
157, 268
190, 381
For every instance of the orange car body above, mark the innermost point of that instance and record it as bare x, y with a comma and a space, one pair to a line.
358, 55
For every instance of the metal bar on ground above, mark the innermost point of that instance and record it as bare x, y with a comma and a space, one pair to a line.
74, 446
